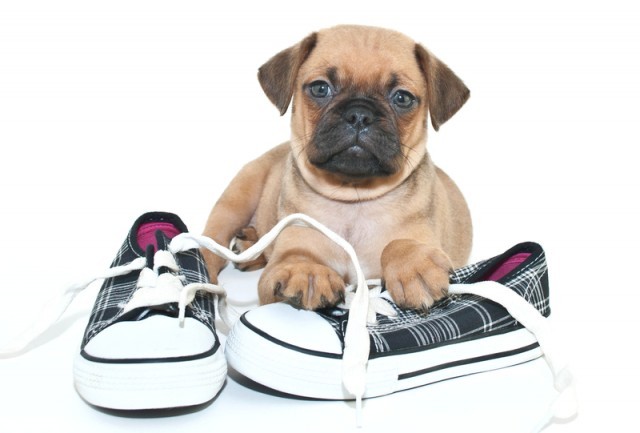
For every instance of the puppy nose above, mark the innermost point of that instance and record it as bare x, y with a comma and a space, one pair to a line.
358, 116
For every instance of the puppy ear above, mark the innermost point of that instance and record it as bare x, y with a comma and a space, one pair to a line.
446, 92
278, 76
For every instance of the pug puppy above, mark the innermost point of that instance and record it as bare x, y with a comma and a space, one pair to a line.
357, 162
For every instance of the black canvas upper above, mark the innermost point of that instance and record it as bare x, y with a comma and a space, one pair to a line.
116, 292
460, 317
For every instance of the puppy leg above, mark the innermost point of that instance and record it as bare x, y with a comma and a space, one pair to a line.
304, 270
227, 217
415, 274
238, 204
243, 240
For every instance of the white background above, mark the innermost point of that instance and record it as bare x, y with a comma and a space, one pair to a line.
111, 109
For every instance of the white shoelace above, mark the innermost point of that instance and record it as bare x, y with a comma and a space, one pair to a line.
153, 289
363, 304
56, 307
376, 303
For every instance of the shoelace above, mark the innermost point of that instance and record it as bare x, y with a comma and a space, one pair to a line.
376, 305
52, 313
153, 288
363, 304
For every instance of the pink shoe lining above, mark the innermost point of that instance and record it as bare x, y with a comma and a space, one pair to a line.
508, 265
146, 234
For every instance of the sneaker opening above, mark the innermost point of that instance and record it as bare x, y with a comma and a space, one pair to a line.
146, 233
507, 266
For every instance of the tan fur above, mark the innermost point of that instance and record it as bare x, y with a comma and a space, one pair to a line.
409, 227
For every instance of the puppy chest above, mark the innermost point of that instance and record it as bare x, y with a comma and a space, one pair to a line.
368, 234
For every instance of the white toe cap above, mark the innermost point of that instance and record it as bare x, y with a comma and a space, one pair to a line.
300, 328
155, 337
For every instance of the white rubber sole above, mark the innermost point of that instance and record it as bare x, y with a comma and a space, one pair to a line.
308, 374
150, 385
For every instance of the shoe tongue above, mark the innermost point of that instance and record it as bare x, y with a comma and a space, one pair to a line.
149, 252
162, 240
162, 243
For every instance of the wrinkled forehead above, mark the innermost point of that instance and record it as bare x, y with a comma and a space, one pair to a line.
364, 57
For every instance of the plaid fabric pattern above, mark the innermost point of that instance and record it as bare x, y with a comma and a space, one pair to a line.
456, 318
116, 292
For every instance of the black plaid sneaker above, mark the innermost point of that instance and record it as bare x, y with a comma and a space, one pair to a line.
301, 352
151, 341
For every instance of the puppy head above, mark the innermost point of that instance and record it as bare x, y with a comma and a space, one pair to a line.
361, 96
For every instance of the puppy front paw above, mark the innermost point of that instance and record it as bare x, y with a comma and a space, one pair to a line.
415, 274
306, 285
244, 239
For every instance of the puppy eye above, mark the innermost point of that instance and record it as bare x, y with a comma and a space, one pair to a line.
320, 89
403, 99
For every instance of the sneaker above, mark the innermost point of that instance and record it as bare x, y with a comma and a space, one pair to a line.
300, 352
151, 341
